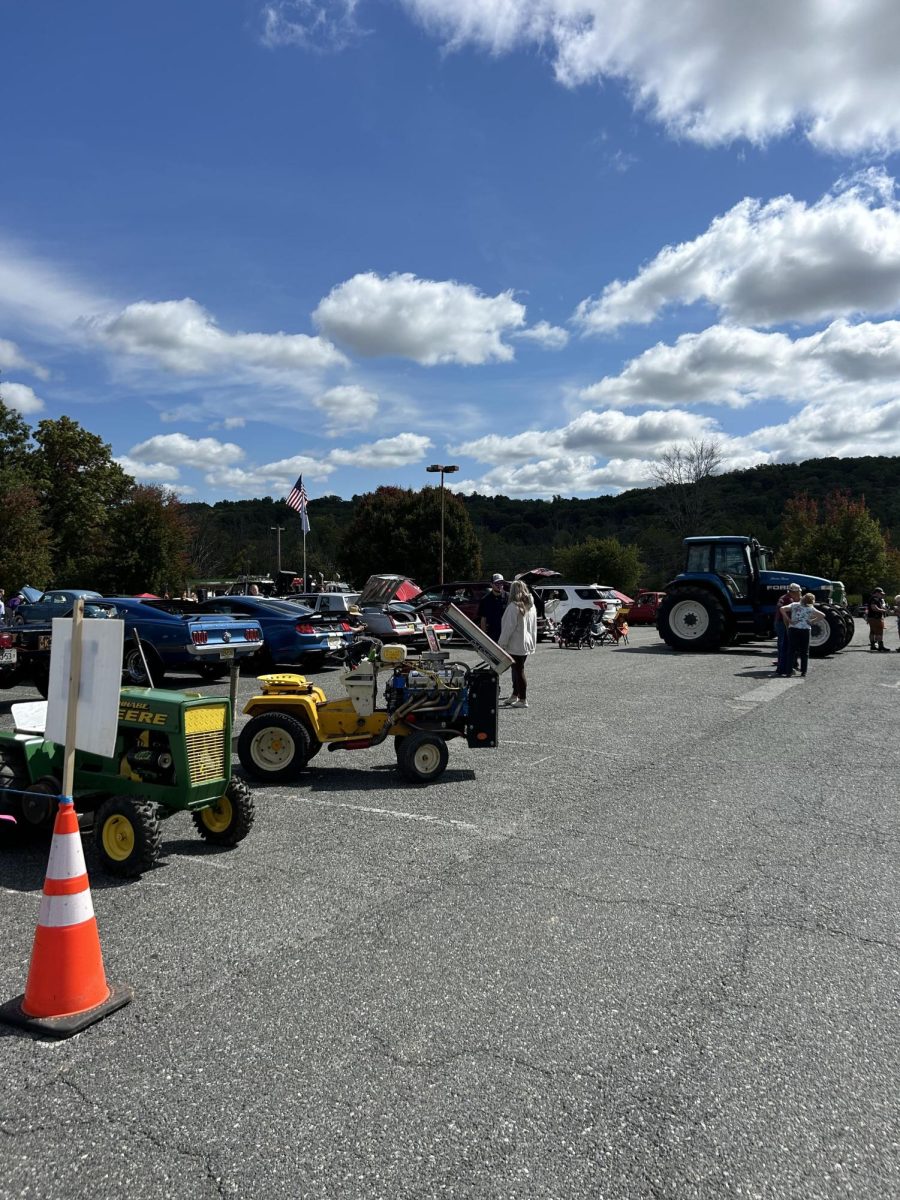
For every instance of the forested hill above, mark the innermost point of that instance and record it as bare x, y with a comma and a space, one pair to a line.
234, 536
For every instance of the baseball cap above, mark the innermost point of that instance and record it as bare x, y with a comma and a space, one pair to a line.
877, 591
795, 587
497, 579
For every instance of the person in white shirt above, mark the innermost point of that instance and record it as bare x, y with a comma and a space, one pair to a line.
799, 618
2, 605
518, 637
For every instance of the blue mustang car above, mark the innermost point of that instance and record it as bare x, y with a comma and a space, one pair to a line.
174, 636
293, 633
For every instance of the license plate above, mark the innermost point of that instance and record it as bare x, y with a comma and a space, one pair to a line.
7, 656
226, 652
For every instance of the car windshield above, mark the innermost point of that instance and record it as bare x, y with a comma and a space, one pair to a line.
589, 593
285, 608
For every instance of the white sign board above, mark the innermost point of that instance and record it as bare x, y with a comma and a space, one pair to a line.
97, 719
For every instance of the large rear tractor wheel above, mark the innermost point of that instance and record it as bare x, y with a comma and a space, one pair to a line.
849, 626
13, 776
40, 803
127, 834
230, 819
691, 619
274, 747
825, 639
422, 757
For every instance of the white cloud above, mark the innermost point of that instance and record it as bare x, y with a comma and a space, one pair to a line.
734, 367
400, 451
148, 472
11, 356
710, 71
324, 25
551, 337
35, 295
177, 449
765, 264
20, 397
565, 475
347, 407
234, 422
426, 320
605, 434
181, 336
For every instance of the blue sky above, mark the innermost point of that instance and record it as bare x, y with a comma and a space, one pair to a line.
545, 240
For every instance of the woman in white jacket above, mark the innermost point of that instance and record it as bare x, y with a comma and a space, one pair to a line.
518, 637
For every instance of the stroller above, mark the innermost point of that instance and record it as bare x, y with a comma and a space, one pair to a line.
614, 631
576, 629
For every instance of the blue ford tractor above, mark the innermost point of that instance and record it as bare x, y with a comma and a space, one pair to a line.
727, 593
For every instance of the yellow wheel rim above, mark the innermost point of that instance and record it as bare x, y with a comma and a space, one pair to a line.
118, 838
218, 816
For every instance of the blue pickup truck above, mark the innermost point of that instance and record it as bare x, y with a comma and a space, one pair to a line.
171, 640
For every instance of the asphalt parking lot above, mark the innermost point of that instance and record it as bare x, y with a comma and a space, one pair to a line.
648, 947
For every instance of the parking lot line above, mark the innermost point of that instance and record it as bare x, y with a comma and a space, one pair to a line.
390, 812
766, 691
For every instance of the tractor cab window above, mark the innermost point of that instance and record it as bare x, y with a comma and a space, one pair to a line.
730, 562
698, 558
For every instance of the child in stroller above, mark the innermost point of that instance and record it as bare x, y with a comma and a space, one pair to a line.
576, 628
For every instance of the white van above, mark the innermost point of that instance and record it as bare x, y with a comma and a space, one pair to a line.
558, 598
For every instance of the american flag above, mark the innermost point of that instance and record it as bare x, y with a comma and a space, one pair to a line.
298, 500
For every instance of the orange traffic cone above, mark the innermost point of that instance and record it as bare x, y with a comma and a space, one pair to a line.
66, 989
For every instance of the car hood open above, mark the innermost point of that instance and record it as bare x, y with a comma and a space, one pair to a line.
382, 589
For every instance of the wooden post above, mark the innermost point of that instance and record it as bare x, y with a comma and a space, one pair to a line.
68, 773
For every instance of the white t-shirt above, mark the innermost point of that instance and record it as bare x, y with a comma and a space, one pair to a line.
802, 615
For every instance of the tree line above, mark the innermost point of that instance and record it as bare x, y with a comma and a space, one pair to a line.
73, 517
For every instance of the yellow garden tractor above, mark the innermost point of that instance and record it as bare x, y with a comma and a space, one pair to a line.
422, 702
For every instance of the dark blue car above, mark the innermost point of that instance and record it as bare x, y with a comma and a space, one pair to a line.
293, 633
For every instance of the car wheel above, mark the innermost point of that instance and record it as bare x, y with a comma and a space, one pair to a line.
274, 747
134, 671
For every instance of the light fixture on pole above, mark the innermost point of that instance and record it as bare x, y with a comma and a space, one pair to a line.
444, 470
278, 530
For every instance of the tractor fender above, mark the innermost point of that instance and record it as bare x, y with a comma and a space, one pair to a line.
301, 708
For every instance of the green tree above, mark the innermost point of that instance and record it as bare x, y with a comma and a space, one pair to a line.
80, 485
25, 545
839, 539
602, 560
398, 531
147, 539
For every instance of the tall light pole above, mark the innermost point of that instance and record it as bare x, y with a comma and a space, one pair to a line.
445, 470
278, 530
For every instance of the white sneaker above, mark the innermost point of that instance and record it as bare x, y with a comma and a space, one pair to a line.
509, 702
519, 704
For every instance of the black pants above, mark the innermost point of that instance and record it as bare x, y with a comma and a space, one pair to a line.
517, 670
799, 647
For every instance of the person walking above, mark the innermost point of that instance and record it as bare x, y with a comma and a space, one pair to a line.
896, 614
799, 618
783, 665
876, 611
518, 637
491, 608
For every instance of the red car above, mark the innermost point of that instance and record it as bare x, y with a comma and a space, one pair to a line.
643, 610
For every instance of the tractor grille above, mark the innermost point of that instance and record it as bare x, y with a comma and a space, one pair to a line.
205, 739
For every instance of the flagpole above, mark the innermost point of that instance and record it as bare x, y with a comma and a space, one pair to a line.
306, 586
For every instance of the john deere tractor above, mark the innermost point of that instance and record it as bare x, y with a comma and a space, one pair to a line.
728, 591
173, 754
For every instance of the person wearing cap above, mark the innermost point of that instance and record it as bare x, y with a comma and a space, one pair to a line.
799, 617
791, 596
896, 614
491, 608
876, 611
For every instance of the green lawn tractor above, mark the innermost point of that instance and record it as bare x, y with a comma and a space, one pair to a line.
173, 753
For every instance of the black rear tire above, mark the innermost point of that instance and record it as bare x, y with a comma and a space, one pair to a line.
691, 619
40, 803
821, 644
230, 819
274, 747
